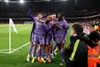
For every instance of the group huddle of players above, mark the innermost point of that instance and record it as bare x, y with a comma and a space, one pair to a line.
44, 32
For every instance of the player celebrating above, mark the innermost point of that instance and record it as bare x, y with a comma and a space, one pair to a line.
53, 23
31, 37
49, 38
60, 32
38, 37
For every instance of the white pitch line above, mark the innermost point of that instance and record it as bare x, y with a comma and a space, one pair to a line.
5, 52
20, 47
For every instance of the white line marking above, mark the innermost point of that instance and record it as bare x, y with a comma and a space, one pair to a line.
5, 49
20, 47
5, 52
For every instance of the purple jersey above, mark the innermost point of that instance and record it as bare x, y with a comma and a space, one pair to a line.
63, 25
38, 26
49, 33
49, 28
60, 31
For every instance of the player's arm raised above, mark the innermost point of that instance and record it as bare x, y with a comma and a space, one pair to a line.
30, 14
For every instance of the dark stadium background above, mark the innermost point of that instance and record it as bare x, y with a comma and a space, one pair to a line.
70, 8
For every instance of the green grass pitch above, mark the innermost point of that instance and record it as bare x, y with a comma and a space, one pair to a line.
18, 58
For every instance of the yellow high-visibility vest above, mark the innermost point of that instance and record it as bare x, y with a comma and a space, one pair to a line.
74, 50
96, 27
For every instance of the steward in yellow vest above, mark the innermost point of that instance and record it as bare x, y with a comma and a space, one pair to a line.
76, 54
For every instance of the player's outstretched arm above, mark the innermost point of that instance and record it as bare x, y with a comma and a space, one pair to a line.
30, 14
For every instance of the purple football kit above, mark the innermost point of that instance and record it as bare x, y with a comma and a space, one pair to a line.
60, 33
49, 33
39, 33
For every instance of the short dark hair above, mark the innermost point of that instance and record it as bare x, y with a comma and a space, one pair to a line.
94, 36
41, 13
60, 16
78, 29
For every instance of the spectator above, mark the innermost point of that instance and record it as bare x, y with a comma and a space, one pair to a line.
75, 54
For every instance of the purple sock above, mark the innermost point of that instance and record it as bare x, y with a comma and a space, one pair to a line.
61, 51
42, 52
30, 49
47, 54
33, 51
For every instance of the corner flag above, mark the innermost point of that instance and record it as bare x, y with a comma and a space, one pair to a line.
12, 25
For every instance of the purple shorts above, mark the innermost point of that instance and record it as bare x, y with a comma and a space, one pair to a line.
49, 40
38, 39
58, 38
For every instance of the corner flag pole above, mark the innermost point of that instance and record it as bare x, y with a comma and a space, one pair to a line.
9, 37
11, 24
